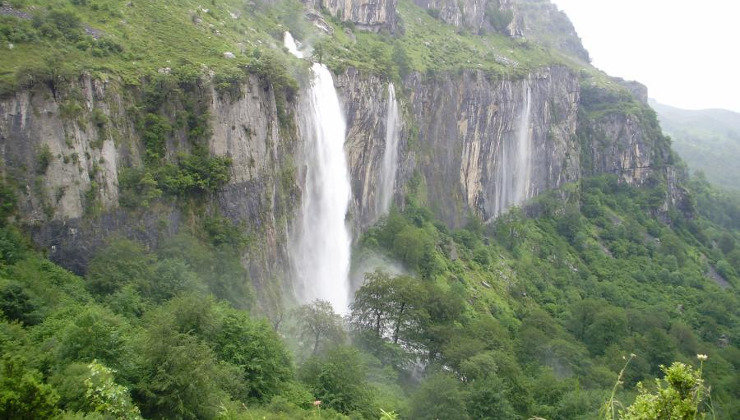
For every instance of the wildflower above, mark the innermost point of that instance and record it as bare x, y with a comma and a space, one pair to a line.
317, 403
702, 357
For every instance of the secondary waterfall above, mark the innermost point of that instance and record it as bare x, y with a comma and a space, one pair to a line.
321, 249
515, 167
387, 180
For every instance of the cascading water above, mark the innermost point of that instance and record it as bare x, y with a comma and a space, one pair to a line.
515, 168
321, 246
387, 180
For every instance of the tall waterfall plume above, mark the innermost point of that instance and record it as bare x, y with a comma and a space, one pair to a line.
515, 160
321, 244
388, 172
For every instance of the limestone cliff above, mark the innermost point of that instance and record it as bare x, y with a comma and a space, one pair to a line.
463, 122
66, 148
537, 20
372, 15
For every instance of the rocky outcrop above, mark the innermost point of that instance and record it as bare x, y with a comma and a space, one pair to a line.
66, 149
542, 22
463, 122
372, 15
620, 135
537, 20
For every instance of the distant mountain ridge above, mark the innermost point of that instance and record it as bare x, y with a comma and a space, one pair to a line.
708, 140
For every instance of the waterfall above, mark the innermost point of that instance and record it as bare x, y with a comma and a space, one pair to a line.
390, 155
515, 160
291, 45
321, 246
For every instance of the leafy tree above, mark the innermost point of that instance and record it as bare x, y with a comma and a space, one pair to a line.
92, 334
339, 380
16, 304
23, 395
371, 308
177, 375
439, 397
319, 324
105, 396
256, 349
486, 399
120, 263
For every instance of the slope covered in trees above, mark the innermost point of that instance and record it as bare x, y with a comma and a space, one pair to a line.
523, 317
708, 140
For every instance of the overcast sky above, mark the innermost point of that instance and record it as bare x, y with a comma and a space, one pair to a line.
686, 52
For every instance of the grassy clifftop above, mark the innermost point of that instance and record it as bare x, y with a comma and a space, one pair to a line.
50, 41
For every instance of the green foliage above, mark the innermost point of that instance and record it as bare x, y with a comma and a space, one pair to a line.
319, 326
16, 304
194, 174
8, 201
679, 395
43, 159
154, 130
123, 262
499, 19
23, 394
107, 397
439, 397
338, 380
256, 349
137, 187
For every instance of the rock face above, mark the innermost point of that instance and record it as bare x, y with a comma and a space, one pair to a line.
541, 21
620, 135
372, 15
538, 20
88, 137
464, 122
66, 151
469, 13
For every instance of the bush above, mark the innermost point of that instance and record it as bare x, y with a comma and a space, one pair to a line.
43, 159
338, 380
23, 395
439, 397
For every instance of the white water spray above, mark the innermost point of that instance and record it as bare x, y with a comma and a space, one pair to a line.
291, 45
322, 244
515, 168
390, 155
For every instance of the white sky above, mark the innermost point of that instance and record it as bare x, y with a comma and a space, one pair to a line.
687, 52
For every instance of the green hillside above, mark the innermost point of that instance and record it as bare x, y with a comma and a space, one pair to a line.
537, 314
708, 140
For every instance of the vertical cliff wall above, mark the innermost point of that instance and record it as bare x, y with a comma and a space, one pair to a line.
65, 150
463, 123
371, 15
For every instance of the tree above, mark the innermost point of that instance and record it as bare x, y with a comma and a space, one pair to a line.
439, 397
23, 395
391, 307
256, 349
120, 263
371, 307
105, 396
178, 375
486, 399
318, 322
339, 380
